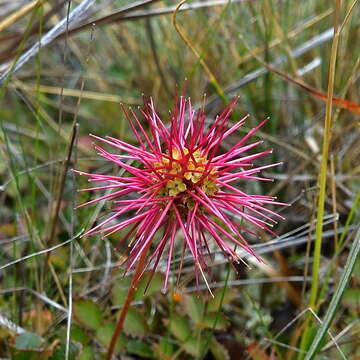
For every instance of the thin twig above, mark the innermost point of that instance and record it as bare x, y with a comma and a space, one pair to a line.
62, 183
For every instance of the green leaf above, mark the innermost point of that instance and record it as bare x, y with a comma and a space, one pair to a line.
88, 313
86, 354
335, 301
28, 340
356, 271
164, 349
194, 308
215, 302
196, 346
104, 335
155, 285
139, 348
351, 298
215, 321
79, 335
218, 351
179, 327
135, 323
120, 291
121, 288
28, 355
28, 347
59, 352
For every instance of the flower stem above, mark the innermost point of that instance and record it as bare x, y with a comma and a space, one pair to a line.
130, 296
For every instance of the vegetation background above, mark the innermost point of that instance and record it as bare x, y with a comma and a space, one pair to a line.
60, 295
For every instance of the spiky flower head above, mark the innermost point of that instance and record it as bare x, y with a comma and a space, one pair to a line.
178, 179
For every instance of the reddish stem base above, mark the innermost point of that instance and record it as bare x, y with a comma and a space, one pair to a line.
135, 280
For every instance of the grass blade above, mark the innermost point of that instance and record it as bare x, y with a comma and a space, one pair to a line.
354, 251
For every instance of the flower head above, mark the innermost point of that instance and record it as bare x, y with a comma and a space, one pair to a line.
179, 179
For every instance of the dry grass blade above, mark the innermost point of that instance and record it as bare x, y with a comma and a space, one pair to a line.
131, 12
252, 76
342, 103
212, 79
74, 15
14, 39
84, 94
19, 14
292, 34
108, 19
335, 301
313, 300
41, 252
170, 9
8, 324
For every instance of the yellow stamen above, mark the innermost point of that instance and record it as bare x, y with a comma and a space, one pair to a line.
191, 171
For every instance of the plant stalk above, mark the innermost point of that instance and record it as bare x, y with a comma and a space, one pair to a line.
313, 301
129, 298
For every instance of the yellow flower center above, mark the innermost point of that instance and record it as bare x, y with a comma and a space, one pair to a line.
184, 171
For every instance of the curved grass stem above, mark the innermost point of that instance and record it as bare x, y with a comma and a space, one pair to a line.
215, 84
322, 186
314, 301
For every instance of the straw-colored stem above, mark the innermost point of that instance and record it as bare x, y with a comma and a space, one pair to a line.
323, 177
17, 15
202, 62
324, 163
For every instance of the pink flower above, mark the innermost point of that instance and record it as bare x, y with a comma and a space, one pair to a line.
178, 179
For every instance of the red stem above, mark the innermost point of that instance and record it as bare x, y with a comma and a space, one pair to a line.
130, 295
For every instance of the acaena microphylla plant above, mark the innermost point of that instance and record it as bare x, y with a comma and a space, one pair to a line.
178, 178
